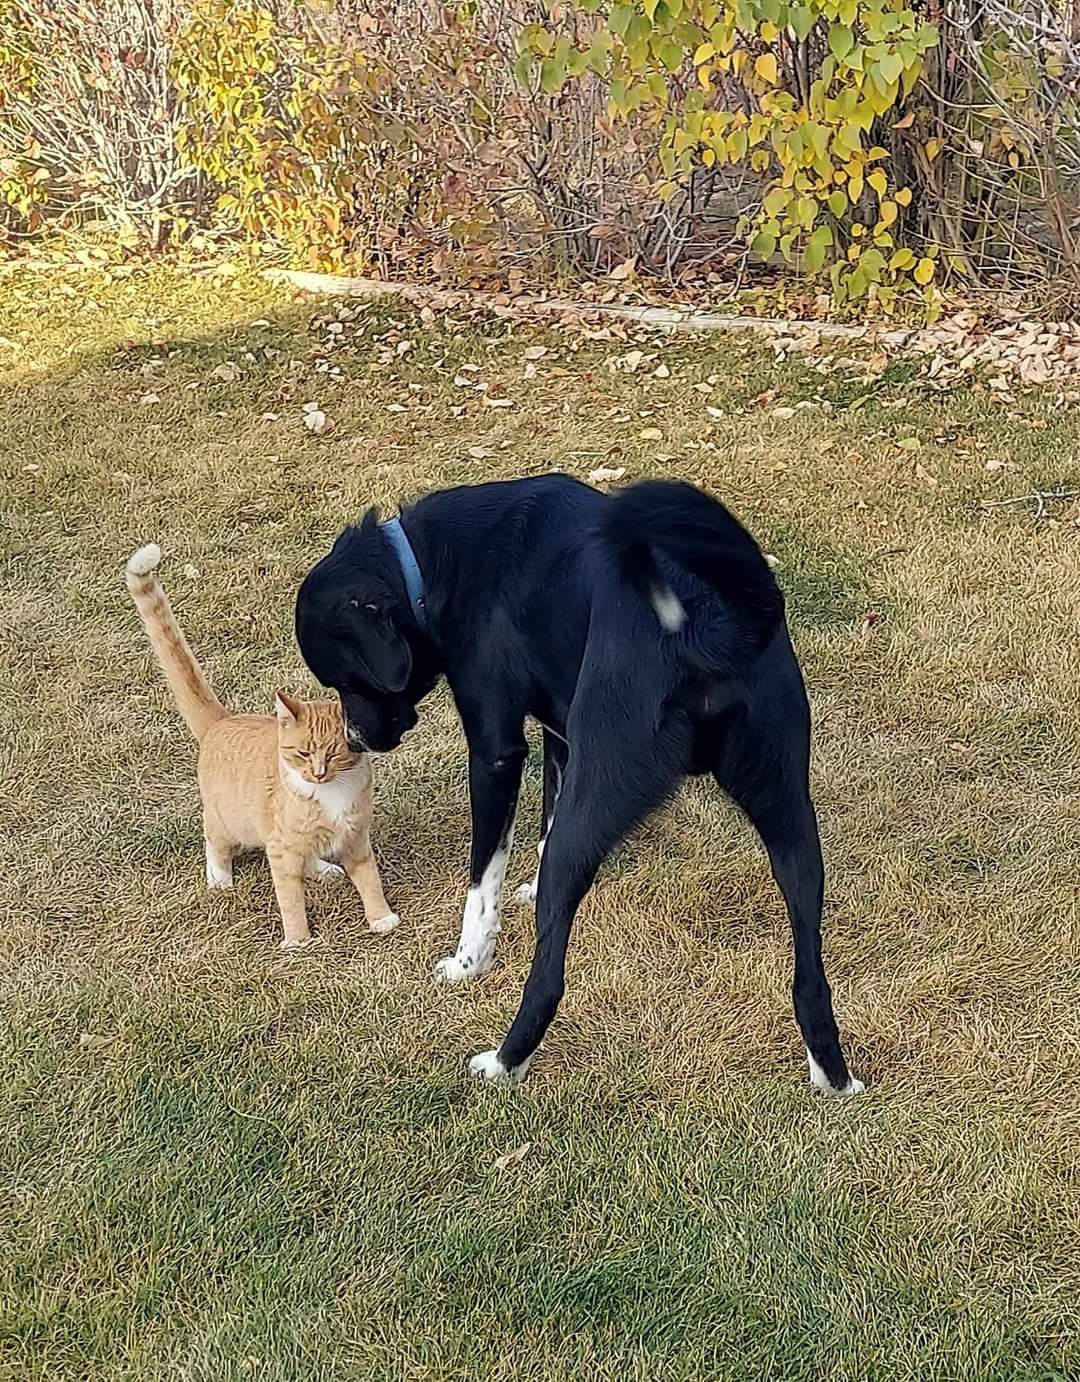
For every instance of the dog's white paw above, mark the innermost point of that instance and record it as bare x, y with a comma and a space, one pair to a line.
323, 868
820, 1080
525, 895
488, 1066
457, 971
383, 924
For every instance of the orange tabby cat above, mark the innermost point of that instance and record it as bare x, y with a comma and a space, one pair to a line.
289, 785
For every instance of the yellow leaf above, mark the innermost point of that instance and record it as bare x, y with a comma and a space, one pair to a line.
888, 214
703, 54
924, 271
878, 182
906, 123
934, 147
903, 196
902, 259
765, 67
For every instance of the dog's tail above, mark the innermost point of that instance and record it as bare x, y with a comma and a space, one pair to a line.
698, 534
195, 701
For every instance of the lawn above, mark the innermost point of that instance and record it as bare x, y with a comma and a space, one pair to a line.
224, 1162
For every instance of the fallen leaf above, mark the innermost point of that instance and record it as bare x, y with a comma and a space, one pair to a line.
535, 352
782, 414
95, 1042
661, 372
31, 469
396, 408
921, 473
480, 453
909, 444
191, 572
632, 359
878, 363
150, 398
714, 412
508, 1158
606, 474
464, 382
227, 372
317, 421
269, 417
651, 434
498, 402
624, 270
261, 322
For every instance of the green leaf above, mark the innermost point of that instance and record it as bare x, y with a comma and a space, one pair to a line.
764, 243
841, 41
800, 19
671, 55
619, 19
552, 76
814, 256
890, 67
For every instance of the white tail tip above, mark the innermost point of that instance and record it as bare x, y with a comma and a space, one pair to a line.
668, 608
142, 562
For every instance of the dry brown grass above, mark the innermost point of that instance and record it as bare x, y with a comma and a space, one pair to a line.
935, 1219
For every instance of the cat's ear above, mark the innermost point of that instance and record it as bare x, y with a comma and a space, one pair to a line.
288, 708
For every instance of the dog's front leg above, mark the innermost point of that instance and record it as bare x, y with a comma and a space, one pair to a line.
494, 781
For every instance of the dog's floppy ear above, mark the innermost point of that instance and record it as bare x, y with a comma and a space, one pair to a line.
378, 646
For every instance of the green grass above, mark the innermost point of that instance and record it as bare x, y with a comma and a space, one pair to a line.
221, 1162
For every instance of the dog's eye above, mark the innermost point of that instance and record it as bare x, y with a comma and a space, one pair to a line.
356, 605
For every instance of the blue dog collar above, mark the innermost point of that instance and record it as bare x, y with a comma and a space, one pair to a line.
410, 567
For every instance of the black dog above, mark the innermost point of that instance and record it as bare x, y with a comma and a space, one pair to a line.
645, 632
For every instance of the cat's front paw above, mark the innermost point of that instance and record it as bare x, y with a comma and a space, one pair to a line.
300, 942
381, 925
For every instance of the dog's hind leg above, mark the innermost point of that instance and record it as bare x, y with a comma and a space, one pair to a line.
555, 755
766, 773
495, 763
608, 789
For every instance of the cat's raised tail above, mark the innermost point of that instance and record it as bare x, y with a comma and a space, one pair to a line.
195, 701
